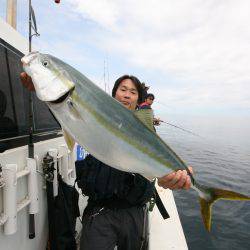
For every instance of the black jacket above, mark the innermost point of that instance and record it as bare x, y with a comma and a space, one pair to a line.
107, 186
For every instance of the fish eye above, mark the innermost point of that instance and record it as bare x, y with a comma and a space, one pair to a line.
45, 63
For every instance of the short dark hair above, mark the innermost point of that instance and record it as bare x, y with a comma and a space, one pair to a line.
136, 82
150, 95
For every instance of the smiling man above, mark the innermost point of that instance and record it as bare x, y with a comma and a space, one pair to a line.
116, 213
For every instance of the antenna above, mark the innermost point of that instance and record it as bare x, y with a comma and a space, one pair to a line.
108, 76
104, 75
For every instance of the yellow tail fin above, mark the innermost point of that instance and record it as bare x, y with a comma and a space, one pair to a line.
216, 194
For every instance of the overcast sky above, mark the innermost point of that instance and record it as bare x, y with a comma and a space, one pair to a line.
194, 54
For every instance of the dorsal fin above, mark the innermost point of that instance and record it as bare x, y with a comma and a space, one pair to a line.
146, 117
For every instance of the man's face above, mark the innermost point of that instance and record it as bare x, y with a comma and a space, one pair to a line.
127, 94
150, 100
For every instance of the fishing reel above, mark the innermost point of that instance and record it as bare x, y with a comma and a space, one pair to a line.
48, 167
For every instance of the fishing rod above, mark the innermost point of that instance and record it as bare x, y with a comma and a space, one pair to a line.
175, 126
161, 103
32, 26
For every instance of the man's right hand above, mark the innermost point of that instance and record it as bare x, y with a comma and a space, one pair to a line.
27, 81
156, 121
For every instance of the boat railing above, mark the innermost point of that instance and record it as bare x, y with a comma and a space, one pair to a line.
63, 161
11, 207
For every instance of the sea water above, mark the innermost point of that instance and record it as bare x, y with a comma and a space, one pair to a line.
220, 158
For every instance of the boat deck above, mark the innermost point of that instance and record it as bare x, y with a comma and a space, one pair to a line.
166, 234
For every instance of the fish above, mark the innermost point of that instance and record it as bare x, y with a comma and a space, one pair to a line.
107, 130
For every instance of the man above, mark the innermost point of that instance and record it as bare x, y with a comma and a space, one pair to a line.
116, 210
148, 101
147, 105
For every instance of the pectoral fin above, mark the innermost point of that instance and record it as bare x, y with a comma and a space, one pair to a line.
69, 140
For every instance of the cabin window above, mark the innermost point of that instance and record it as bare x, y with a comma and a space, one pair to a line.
14, 105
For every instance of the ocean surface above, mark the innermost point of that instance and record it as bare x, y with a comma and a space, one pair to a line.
220, 158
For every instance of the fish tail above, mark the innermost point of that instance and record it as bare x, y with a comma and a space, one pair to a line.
215, 194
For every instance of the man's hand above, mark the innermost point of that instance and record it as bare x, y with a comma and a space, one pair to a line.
176, 180
27, 81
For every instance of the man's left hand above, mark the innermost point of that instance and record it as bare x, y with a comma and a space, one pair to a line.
176, 180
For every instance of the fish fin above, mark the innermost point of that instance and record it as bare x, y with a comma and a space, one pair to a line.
72, 108
206, 210
69, 140
146, 117
216, 194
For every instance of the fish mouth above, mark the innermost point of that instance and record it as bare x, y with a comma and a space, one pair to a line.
27, 59
43, 77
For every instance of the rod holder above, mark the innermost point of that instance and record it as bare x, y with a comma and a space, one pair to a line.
32, 186
10, 198
63, 161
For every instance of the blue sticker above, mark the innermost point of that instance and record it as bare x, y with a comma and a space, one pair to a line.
80, 154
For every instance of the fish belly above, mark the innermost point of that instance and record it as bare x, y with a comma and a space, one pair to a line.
105, 145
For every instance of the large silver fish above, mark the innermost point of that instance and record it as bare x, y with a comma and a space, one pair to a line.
106, 129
